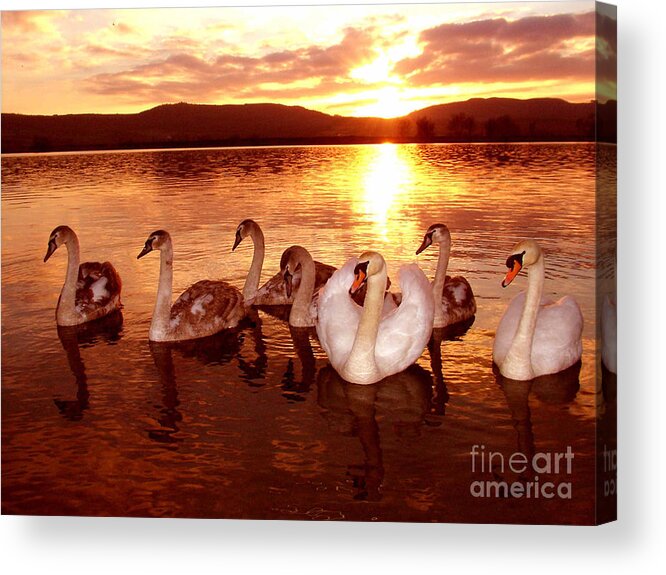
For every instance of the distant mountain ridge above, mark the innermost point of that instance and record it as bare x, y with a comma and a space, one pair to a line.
186, 125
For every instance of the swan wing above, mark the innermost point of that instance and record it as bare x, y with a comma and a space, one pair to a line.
404, 332
97, 284
458, 302
557, 335
557, 342
337, 315
506, 330
274, 292
206, 308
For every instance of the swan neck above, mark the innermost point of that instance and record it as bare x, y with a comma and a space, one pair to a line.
363, 350
67, 305
162, 310
520, 352
254, 275
300, 310
442, 266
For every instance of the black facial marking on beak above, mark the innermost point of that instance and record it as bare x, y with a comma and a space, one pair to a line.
237, 241
515, 264
360, 277
288, 282
147, 248
510, 261
52, 247
427, 241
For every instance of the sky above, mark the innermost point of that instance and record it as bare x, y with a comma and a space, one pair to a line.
363, 60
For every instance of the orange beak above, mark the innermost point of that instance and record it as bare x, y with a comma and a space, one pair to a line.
512, 273
359, 280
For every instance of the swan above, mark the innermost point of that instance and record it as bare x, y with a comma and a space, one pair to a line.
363, 344
454, 299
203, 309
536, 336
304, 309
91, 289
273, 292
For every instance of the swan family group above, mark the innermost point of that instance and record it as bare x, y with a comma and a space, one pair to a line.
367, 331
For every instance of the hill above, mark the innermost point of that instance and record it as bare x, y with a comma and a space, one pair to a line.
183, 125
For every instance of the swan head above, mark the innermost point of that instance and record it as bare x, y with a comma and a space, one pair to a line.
291, 260
288, 265
59, 236
243, 230
369, 264
156, 241
437, 233
525, 253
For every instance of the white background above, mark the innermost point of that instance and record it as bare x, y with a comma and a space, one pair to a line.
635, 543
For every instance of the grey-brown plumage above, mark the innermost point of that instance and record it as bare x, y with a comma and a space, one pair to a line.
274, 292
206, 308
203, 309
88, 297
458, 302
91, 289
454, 298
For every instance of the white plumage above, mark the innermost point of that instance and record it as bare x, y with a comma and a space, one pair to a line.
388, 342
556, 343
536, 336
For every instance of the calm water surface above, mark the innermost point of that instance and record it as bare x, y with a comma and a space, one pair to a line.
255, 424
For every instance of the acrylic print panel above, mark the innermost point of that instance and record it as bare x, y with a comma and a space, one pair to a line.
453, 130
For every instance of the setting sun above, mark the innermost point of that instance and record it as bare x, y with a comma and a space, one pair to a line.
388, 103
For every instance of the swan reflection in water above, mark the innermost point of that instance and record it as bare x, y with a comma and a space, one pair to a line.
107, 329
293, 389
440, 396
217, 349
555, 389
352, 410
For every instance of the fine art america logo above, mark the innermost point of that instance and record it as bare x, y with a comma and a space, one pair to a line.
529, 484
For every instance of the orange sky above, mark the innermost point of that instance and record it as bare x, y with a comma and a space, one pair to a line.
350, 60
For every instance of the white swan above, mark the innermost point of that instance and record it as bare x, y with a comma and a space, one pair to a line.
203, 309
273, 291
536, 336
454, 299
363, 345
91, 289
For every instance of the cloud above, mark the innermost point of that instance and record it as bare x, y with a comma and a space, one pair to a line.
309, 70
123, 28
132, 59
21, 23
501, 50
606, 55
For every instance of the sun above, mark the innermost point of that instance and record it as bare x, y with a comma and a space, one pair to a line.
388, 102
387, 92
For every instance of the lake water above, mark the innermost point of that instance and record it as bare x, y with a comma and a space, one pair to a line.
256, 424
